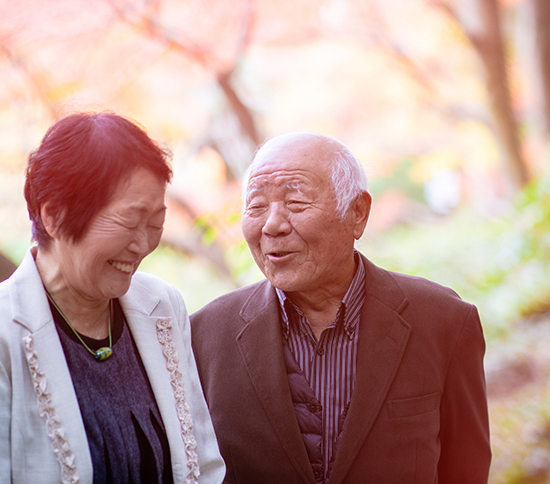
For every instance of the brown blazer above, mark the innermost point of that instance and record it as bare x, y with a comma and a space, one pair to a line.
418, 412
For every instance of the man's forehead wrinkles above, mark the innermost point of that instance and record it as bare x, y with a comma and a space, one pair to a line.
279, 178
291, 185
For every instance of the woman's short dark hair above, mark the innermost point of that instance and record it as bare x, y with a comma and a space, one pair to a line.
79, 164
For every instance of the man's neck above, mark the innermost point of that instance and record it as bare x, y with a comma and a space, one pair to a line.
321, 305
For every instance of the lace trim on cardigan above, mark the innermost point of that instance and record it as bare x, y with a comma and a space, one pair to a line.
54, 429
164, 334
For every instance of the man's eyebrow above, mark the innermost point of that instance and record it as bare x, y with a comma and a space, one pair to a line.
252, 190
294, 185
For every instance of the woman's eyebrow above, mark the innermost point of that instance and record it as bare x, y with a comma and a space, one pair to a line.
141, 208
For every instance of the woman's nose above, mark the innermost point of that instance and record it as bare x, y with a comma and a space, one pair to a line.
140, 242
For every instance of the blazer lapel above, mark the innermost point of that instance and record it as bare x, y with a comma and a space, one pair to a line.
261, 347
383, 338
138, 306
31, 310
52, 364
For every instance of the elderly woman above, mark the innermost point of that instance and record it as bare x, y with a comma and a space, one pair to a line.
97, 377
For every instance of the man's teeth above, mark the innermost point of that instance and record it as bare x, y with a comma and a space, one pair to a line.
128, 268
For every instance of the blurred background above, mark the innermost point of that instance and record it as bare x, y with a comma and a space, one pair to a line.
446, 103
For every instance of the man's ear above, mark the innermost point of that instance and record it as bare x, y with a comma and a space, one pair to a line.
361, 209
51, 217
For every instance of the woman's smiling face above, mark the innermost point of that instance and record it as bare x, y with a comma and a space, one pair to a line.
100, 265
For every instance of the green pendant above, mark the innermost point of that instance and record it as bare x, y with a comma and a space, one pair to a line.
103, 353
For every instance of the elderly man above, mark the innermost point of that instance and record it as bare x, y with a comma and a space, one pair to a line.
334, 370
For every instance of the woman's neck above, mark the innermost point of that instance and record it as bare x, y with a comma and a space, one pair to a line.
89, 317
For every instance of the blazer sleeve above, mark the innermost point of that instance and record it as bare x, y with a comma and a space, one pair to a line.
464, 432
212, 466
5, 413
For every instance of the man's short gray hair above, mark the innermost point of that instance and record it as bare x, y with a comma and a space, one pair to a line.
348, 176
348, 179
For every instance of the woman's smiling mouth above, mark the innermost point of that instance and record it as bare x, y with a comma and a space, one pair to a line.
127, 268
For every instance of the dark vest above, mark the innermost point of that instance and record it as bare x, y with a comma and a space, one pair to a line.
308, 411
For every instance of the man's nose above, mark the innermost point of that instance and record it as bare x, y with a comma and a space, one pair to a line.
277, 222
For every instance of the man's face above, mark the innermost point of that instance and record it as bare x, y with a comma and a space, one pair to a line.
290, 221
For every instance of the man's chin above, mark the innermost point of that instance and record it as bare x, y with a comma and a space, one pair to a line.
285, 284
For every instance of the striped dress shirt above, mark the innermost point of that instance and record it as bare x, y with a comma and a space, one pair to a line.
329, 364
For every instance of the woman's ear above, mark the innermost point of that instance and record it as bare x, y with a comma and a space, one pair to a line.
361, 208
51, 217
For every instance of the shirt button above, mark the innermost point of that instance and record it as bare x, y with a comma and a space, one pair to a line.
320, 351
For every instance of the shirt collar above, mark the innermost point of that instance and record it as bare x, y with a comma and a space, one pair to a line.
352, 299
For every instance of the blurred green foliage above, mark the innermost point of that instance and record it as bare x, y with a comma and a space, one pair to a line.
500, 264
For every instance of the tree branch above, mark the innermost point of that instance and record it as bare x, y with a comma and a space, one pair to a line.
37, 86
193, 245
